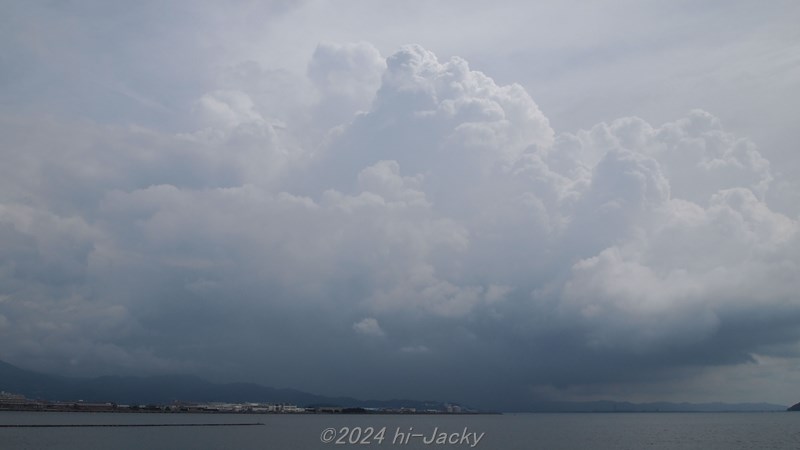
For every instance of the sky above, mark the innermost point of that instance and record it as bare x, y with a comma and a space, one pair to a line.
493, 203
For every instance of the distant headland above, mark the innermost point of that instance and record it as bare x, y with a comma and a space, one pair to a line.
29, 390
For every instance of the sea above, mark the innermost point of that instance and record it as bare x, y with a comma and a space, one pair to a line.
597, 431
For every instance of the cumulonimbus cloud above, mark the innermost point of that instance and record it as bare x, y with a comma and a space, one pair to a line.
442, 213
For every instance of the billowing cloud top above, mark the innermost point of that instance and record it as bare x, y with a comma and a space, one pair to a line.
407, 223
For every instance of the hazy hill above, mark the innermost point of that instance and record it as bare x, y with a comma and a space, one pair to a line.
166, 389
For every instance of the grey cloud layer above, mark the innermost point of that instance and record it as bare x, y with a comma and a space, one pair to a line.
413, 227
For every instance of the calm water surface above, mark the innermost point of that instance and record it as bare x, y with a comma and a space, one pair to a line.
708, 431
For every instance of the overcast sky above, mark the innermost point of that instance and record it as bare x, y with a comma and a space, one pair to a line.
485, 202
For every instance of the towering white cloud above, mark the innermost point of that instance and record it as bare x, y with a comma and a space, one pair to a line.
346, 77
426, 219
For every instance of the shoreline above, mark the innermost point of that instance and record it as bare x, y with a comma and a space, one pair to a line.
159, 410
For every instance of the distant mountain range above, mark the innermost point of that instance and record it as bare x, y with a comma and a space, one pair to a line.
170, 388
186, 388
